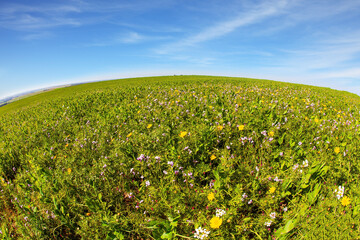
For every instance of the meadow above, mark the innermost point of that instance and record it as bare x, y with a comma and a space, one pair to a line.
181, 157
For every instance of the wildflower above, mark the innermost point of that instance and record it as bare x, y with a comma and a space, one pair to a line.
219, 127
244, 196
285, 209
69, 170
165, 172
220, 212
257, 169
149, 126
272, 190
212, 157
271, 133
201, 233
345, 201
268, 224
250, 201
129, 135
215, 222
211, 196
273, 215
171, 163
241, 127
305, 163
147, 183
316, 120
337, 150
340, 192
295, 166
182, 134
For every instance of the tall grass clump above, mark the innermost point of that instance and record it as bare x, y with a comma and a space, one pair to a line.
186, 157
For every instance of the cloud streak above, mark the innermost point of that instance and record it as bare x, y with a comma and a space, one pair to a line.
254, 15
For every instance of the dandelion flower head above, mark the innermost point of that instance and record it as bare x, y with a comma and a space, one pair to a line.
345, 201
272, 190
215, 222
211, 196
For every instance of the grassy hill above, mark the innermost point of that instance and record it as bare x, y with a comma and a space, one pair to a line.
181, 157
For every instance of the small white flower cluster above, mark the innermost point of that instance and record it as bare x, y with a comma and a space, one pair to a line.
268, 224
340, 192
220, 212
304, 165
273, 215
244, 196
201, 233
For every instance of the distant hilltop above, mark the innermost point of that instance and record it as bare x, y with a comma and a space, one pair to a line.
19, 96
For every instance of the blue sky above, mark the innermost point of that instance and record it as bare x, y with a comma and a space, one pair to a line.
47, 43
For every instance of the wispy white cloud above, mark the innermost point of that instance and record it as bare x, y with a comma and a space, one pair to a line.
127, 38
36, 36
131, 37
256, 14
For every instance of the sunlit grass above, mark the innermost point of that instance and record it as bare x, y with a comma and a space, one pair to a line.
181, 157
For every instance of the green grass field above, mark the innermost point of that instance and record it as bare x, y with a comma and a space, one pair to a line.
181, 157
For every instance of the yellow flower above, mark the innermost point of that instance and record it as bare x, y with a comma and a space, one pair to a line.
316, 120
241, 127
69, 170
345, 201
271, 134
272, 190
211, 196
129, 135
215, 222
337, 150
212, 157
182, 134
219, 127
149, 126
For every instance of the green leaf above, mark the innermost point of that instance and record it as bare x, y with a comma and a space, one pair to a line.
313, 195
167, 235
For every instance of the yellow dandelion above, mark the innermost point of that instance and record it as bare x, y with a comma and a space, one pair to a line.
271, 133
149, 126
212, 157
272, 190
337, 150
345, 201
129, 135
69, 170
211, 196
316, 120
210, 107
219, 127
182, 134
215, 222
241, 127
